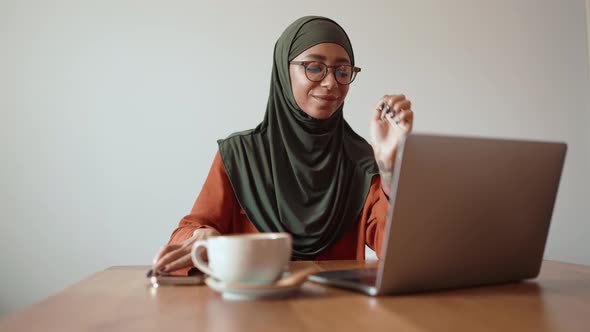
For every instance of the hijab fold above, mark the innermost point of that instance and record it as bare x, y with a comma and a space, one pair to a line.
293, 173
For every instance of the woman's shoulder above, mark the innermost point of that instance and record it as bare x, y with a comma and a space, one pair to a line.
217, 167
238, 136
240, 142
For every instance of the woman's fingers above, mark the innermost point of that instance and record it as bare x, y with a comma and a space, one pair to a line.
378, 110
170, 253
391, 100
401, 105
405, 120
393, 104
164, 250
391, 112
176, 256
401, 116
390, 106
385, 107
180, 263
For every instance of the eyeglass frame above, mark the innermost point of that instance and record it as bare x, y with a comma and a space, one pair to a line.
355, 70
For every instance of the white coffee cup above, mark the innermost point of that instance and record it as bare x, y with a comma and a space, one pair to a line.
244, 258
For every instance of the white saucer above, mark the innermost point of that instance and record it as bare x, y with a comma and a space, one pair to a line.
251, 292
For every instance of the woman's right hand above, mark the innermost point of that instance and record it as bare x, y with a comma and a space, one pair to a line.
391, 120
172, 257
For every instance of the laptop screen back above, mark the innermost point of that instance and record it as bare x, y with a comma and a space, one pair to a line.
468, 211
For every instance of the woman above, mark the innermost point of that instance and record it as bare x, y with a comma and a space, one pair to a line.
303, 170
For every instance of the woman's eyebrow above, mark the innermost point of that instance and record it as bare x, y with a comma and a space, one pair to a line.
321, 57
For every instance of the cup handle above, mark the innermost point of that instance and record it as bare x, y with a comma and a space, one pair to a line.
197, 258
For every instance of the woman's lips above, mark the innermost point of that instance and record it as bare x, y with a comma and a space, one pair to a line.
326, 98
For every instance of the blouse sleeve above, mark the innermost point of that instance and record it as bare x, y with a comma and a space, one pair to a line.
213, 208
375, 226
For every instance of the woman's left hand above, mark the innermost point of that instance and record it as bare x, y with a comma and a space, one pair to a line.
391, 120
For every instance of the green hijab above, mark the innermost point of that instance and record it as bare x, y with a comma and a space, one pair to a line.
293, 173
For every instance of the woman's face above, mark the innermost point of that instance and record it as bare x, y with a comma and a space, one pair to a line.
319, 99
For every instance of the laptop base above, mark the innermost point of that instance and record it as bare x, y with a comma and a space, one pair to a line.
361, 280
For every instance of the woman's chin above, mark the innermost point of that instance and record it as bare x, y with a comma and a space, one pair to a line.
321, 114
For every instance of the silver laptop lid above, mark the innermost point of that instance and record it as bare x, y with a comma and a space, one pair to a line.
468, 211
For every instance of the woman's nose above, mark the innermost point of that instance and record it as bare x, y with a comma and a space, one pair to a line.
330, 80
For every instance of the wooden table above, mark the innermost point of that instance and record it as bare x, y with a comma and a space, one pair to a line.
120, 299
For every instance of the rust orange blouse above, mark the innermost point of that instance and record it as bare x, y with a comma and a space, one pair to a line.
217, 207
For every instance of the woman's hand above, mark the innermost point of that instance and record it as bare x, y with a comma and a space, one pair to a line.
391, 120
173, 257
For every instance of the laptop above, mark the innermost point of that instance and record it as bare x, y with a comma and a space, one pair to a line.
464, 212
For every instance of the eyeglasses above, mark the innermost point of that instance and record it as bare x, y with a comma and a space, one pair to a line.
316, 71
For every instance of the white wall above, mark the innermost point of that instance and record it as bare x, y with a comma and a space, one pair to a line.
588, 27
110, 109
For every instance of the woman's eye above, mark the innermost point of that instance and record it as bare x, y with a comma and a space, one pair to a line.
341, 73
314, 70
